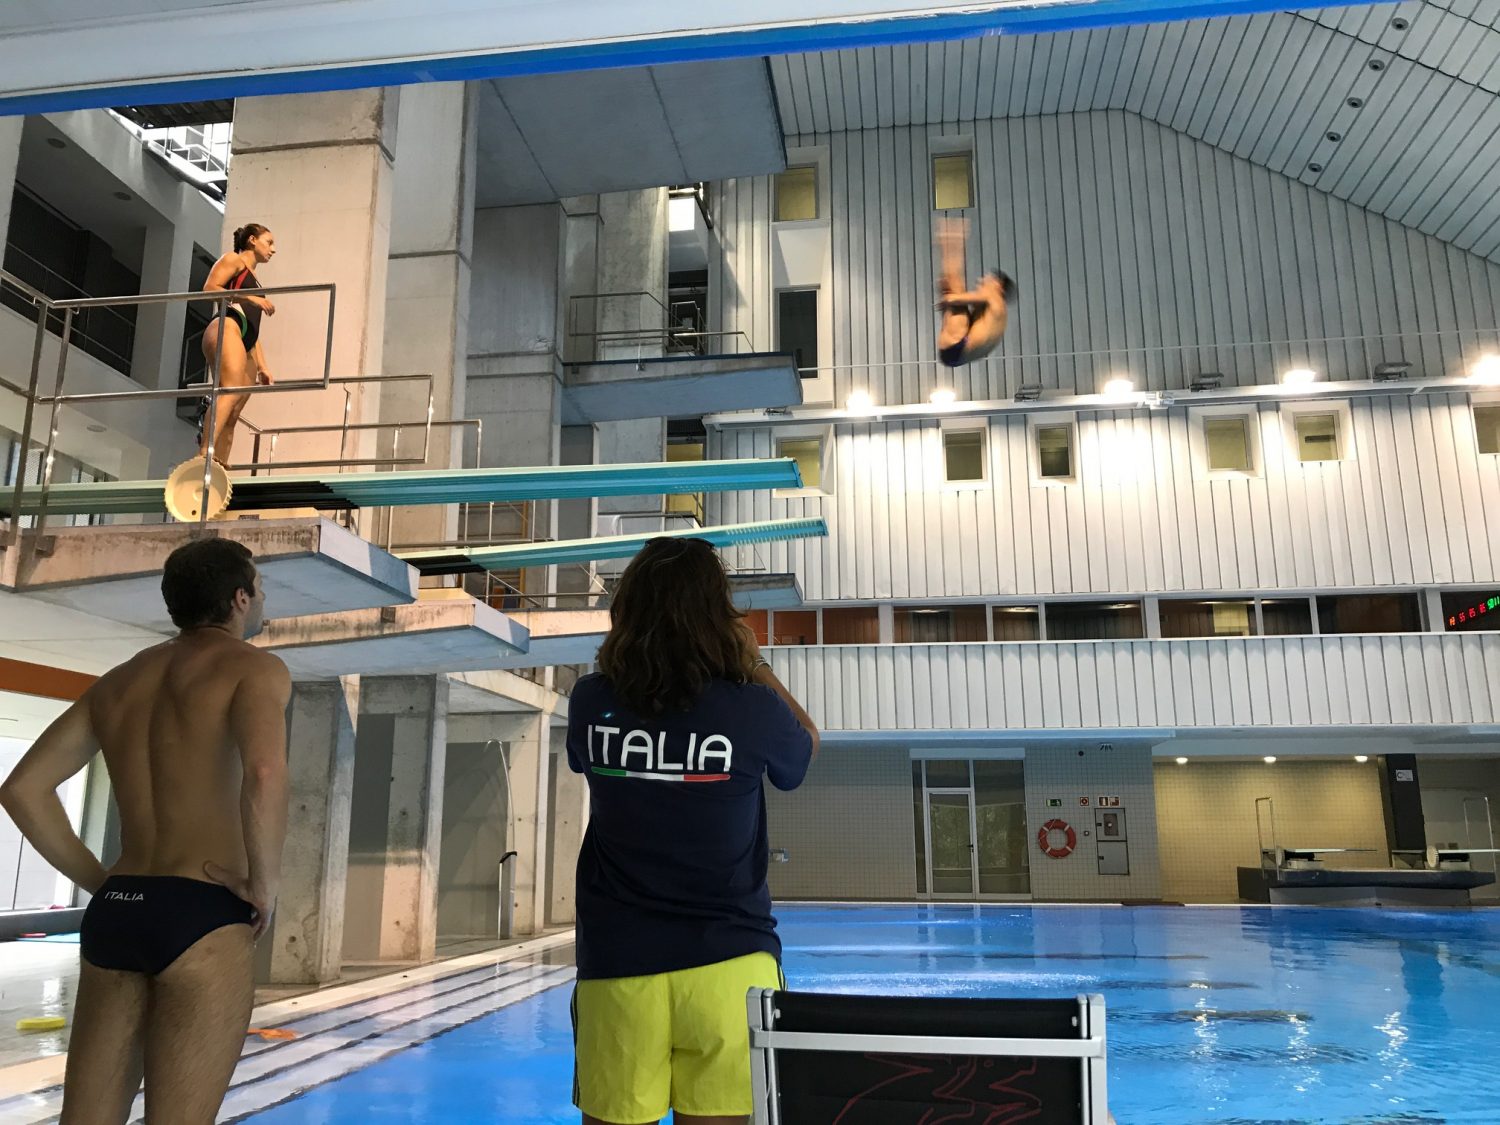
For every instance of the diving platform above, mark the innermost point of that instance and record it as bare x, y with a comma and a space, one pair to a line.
444, 631
345, 491
308, 567
519, 555
614, 390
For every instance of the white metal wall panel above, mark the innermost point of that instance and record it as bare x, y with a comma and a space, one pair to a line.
1415, 504
1421, 149
1407, 680
1123, 235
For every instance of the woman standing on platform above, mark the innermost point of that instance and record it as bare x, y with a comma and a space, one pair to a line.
231, 343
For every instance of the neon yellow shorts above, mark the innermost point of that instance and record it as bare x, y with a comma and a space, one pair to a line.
680, 1040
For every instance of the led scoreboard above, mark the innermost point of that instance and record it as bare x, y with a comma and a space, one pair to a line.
1475, 611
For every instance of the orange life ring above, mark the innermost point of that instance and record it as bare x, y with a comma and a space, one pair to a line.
1044, 839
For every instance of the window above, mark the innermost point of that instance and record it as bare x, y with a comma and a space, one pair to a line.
1054, 452
1095, 621
1017, 623
1287, 617
1487, 427
1217, 618
808, 453
690, 503
920, 625
1226, 441
797, 194
952, 181
1369, 613
797, 328
759, 622
963, 455
1317, 437
794, 627
851, 625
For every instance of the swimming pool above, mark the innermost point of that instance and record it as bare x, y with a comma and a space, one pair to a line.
1224, 1015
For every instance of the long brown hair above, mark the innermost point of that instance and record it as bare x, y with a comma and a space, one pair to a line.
673, 628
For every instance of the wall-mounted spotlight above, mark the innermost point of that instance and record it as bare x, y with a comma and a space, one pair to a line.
1390, 372
1028, 392
1207, 381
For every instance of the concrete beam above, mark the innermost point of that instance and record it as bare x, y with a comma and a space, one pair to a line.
619, 389
430, 637
307, 566
766, 591
479, 695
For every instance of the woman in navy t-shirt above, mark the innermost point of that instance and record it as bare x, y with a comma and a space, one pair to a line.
674, 735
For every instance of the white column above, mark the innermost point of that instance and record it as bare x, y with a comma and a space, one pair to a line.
306, 942
317, 170
419, 742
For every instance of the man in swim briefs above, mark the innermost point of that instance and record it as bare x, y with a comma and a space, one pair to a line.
973, 320
193, 733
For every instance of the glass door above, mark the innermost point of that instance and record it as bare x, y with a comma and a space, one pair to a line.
950, 849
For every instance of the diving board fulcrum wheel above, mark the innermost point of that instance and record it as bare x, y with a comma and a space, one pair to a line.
184, 494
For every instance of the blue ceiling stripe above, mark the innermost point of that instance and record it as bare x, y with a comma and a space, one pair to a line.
651, 51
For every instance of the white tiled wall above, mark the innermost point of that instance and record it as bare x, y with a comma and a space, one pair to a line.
848, 830
1060, 773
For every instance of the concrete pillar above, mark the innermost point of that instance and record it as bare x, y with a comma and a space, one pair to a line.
10, 156
166, 267
305, 945
427, 294
317, 170
528, 743
570, 814
633, 248
404, 879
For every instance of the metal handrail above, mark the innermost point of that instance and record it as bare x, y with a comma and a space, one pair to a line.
70, 308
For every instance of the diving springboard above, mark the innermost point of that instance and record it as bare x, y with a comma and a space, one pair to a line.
518, 555
338, 491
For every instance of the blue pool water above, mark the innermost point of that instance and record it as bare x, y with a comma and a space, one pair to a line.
1247, 1016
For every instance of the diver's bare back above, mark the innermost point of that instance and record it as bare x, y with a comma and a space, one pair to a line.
163, 721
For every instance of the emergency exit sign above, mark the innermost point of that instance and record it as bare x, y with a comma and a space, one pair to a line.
1054, 802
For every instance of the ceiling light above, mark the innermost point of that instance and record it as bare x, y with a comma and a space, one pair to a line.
123, 196
1486, 371
943, 396
1361, 758
95, 428
1119, 386
57, 142
1299, 377
1269, 759
1207, 381
860, 402
1182, 761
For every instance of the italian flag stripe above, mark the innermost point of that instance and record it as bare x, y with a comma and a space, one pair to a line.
660, 776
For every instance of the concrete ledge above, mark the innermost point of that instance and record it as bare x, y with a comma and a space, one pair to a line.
426, 638
615, 390
766, 591
307, 566
499, 692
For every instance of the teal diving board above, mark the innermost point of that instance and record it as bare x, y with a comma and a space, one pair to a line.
337, 491
518, 555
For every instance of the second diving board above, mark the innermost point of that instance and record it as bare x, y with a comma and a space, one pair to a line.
518, 555
336, 491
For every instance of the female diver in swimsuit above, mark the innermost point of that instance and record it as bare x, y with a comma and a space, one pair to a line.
233, 343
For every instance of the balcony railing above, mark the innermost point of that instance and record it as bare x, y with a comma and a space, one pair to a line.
1082, 688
